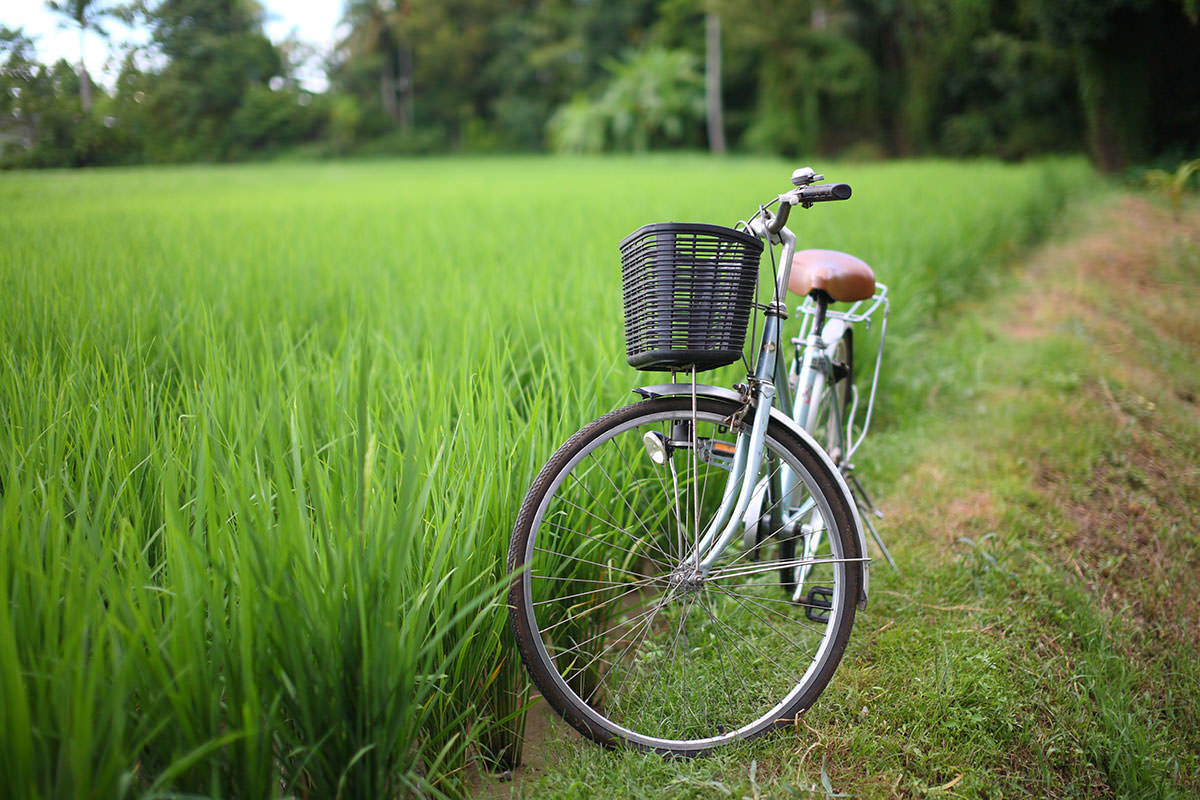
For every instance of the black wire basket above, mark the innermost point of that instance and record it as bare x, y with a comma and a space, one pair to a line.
689, 291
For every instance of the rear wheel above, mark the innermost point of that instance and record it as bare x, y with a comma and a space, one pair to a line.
621, 633
830, 428
809, 583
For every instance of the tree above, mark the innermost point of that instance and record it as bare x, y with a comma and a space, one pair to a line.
85, 14
804, 86
19, 77
373, 38
1129, 56
538, 55
40, 123
215, 51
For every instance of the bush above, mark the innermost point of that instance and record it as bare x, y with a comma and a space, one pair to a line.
655, 98
269, 118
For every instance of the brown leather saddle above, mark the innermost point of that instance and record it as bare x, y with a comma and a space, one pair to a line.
840, 275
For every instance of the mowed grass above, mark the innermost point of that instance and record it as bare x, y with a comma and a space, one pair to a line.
264, 430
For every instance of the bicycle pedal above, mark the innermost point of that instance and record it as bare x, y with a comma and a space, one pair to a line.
713, 452
819, 599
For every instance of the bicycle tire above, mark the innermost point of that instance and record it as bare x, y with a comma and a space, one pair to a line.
629, 648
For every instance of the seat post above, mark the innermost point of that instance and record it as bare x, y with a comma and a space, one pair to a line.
822, 300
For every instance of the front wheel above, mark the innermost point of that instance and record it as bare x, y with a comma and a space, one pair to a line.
620, 632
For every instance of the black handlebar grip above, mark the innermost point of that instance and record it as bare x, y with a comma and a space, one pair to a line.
823, 192
808, 195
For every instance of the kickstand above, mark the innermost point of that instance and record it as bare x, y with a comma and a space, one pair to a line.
867, 509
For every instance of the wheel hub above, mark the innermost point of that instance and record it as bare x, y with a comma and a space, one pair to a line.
686, 580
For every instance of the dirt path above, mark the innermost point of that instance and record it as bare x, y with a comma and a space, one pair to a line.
1082, 459
1132, 288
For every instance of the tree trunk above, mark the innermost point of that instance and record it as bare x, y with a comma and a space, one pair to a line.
712, 83
1114, 86
85, 81
406, 87
820, 17
387, 88
85, 88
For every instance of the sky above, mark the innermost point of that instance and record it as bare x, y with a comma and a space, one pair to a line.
314, 22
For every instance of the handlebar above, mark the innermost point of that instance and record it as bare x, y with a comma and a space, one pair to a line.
806, 196
824, 191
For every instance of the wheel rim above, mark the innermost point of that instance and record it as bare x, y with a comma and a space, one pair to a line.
642, 647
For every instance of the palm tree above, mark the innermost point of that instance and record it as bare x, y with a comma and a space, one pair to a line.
84, 14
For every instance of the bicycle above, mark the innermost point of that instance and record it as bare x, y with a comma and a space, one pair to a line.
640, 613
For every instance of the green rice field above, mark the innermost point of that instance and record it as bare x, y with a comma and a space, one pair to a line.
264, 431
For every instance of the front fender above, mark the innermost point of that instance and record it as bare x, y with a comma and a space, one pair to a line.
721, 393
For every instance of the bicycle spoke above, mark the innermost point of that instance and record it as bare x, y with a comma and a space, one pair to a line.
609, 567
768, 566
764, 542
613, 525
633, 587
621, 495
683, 615
800, 622
604, 543
571, 579
695, 463
741, 599
635, 644
728, 670
666, 493
780, 601
624, 590
600, 635
652, 614
762, 653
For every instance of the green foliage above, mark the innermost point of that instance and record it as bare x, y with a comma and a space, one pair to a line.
1010, 100
581, 127
952, 77
1173, 183
1127, 54
274, 118
1086, 21
21, 79
654, 98
345, 117
41, 124
216, 52
816, 98
85, 14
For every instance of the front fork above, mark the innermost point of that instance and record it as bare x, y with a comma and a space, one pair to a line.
739, 489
